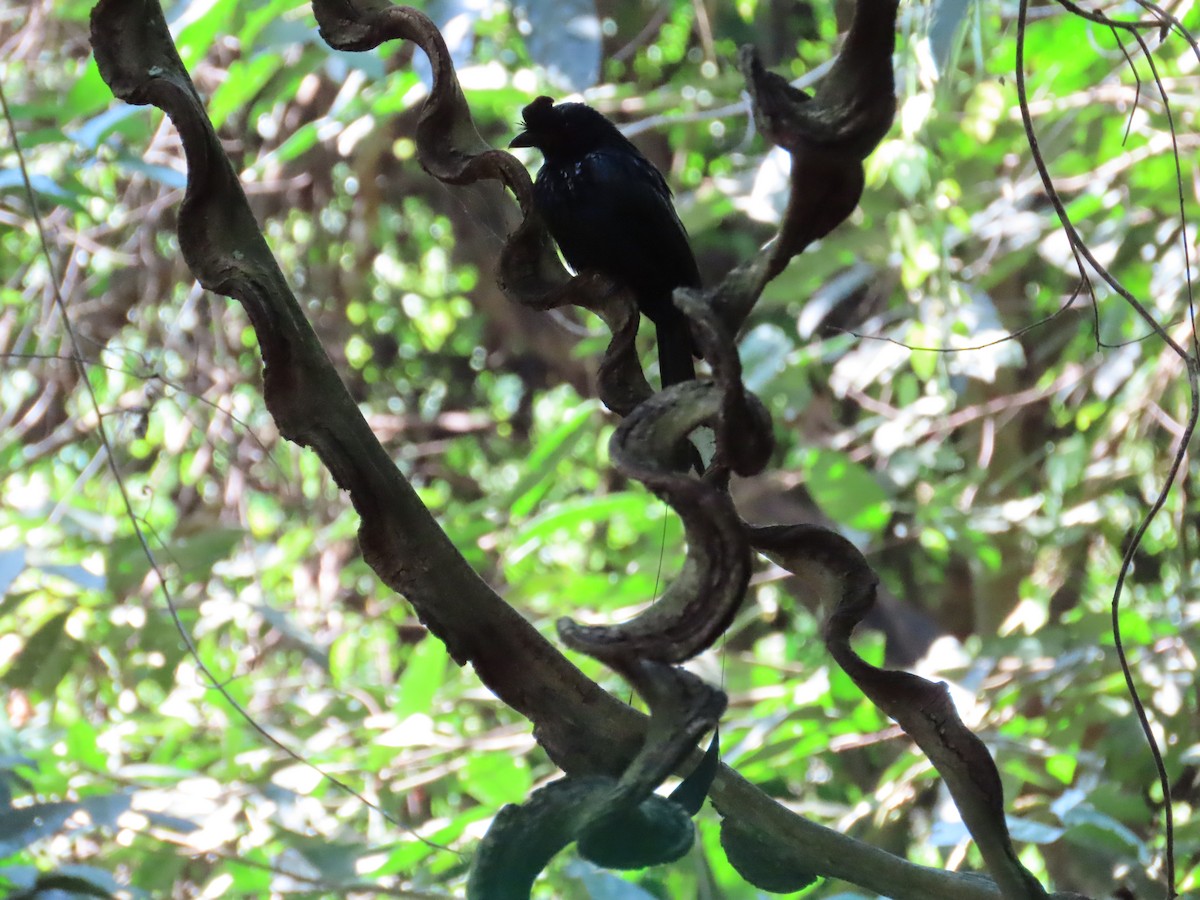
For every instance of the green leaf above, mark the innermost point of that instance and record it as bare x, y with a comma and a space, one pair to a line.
40, 663
336, 861
298, 143
59, 193
244, 80
944, 22
1089, 827
538, 471
923, 361
422, 678
87, 95
81, 746
846, 491
94, 130
573, 514
21, 827
105, 809
1062, 766
196, 554
496, 778
269, 14
204, 22
125, 565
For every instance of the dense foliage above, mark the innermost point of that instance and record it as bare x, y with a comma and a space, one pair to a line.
944, 393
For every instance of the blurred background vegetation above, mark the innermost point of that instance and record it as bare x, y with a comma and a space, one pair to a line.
994, 486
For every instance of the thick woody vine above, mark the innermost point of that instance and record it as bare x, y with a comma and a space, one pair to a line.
614, 758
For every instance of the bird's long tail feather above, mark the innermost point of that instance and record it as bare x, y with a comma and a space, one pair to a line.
674, 351
676, 366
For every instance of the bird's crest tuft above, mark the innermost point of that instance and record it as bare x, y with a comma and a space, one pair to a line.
539, 112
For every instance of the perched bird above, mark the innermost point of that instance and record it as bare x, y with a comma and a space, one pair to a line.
609, 209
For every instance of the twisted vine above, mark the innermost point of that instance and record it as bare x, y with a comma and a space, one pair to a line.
607, 802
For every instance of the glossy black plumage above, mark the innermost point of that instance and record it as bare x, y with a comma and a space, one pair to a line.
610, 210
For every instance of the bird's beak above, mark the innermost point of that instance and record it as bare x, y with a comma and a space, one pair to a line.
524, 139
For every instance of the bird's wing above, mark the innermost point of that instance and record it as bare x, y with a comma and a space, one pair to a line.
613, 212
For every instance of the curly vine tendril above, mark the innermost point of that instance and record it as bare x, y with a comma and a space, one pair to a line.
615, 821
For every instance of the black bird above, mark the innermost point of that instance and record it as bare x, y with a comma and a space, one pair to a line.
609, 209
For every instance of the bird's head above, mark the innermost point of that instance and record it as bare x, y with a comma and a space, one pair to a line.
565, 132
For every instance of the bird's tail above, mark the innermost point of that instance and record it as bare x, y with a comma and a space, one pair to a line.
674, 350
676, 366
